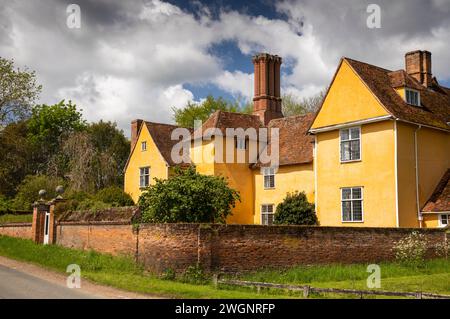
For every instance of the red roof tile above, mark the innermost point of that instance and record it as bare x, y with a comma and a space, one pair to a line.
440, 199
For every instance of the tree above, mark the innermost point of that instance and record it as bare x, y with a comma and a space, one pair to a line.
293, 106
115, 196
188, 197
31, 185
295, 210
185, 117
15, 159
47, 126
18, 91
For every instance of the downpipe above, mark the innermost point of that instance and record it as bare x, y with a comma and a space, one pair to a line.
419, 214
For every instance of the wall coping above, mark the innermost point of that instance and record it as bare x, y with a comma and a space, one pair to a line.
16, 225
92, 223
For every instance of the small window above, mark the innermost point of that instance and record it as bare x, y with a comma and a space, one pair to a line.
267, 214
444, 220
350, 144
352, 204
412, 97
269, 177
241, 144
144, 177
143, 146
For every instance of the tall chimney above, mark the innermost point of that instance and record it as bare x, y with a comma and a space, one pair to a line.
135, 126
267, 99
418, 65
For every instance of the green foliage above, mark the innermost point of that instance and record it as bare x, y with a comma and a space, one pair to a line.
185, 117
194, 275
168, 274
411, 250
49, 122
29, 188
92, 205
15, 157
5, 203
13, 218
295, 210
188, 197
18, 91
115, 196
294, 106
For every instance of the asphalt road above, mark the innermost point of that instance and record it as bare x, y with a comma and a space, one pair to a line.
15, 284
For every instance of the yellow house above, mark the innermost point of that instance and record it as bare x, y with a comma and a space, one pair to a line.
376, 154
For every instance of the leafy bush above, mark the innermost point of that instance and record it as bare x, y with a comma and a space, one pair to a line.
5, 204
443, 249
168, 274
92, 205
28, 190
188, 197
115, 196
295, 210
411, 250
194, 275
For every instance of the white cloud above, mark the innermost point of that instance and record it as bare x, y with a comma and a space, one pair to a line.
131, 59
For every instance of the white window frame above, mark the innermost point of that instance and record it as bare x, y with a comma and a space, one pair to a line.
267, 213
143, 146
440, 219
267, 172
143, 175
414, 91
350, 139
352, 199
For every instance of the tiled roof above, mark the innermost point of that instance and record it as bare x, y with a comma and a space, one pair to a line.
435, 101
223, 120
440, 199
161, 135
295, 144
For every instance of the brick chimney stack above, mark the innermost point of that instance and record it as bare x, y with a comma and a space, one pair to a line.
267, 99
418, 65
135, 126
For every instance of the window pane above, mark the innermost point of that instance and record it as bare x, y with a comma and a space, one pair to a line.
355, 153
345, 151
356, 193
357, 210
345, 135
270, 208
346, 211
354, 133
346, 193
270, 219
444, 219
272, 181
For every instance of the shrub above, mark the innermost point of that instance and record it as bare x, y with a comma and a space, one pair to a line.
115, 196
168, 274
194, 275
28, 190
5, 204
92, 205
188, 197
411, 250
443, 249
295, 210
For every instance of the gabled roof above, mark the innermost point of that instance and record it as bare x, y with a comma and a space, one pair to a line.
223, 120
161, 134
440, 199
295, 144
435, 101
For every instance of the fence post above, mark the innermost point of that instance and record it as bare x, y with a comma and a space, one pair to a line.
306, 291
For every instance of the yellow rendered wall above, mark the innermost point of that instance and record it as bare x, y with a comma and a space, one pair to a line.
151, 157
431, 221
348, 100
375, 173
287, 179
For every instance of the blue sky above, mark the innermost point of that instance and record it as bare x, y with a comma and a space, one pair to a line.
140, 58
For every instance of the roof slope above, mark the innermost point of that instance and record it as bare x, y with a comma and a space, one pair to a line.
295, 144
162, 136
435, 102
223, 120
440, 199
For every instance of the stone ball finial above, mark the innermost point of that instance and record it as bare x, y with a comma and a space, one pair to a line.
59, 189
42, 193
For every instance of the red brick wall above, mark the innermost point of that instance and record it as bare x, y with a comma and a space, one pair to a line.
112, 238
20, 230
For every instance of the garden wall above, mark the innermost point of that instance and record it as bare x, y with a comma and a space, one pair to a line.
228, 248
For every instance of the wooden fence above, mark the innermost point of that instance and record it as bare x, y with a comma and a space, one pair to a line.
307, 290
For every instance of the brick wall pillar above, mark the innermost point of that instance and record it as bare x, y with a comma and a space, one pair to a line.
38, 225
204, 252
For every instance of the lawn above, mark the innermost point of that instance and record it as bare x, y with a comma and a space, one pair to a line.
12, 218
121, 272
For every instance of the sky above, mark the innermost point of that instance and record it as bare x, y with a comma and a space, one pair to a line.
139, 59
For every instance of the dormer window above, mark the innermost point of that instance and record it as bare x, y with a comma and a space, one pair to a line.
412, 97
